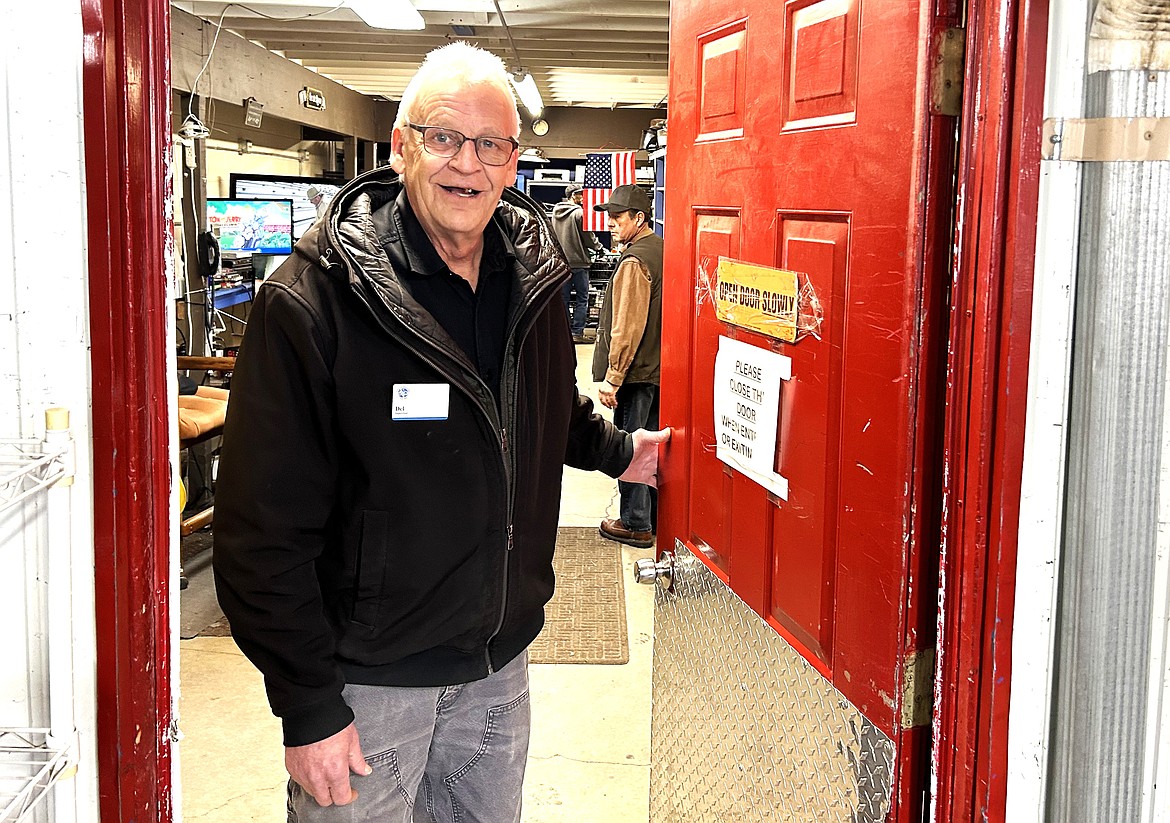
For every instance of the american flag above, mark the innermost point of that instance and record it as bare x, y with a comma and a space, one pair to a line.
603, 173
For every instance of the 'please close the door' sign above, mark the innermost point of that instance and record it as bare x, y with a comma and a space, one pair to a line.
747, 405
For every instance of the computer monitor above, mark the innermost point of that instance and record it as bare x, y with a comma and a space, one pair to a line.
256, 226
250, 186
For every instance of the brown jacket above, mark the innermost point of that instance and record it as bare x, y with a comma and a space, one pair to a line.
629, 327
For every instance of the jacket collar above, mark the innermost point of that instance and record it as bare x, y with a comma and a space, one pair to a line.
351, 223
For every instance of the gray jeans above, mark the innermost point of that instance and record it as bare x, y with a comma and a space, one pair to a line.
449, 754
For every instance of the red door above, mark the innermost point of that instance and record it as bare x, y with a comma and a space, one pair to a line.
802, 137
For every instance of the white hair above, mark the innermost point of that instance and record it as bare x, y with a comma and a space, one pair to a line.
460, 64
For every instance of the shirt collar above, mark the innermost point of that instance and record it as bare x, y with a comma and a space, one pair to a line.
419, 251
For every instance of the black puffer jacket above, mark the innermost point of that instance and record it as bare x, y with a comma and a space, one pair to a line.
352, 547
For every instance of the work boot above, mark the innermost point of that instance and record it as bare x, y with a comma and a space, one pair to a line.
616, 530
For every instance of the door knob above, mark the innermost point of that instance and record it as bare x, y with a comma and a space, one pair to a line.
650, 571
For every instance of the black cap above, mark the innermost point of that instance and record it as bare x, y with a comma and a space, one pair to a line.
570, 190
626, 198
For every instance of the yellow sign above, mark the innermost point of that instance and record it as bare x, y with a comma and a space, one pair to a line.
757, 297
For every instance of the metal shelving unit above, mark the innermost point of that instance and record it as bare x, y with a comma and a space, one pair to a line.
658, 158
26, 468
32, 760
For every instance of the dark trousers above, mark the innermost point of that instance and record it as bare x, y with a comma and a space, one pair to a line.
637, 408
576, 296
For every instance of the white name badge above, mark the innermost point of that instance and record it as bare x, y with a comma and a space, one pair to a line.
421, 401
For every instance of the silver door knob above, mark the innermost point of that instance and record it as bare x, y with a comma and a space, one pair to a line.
651, 571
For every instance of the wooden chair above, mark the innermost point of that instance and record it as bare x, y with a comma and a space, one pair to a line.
201, 417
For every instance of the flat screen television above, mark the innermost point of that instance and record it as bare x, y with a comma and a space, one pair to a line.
251, 186
256, 226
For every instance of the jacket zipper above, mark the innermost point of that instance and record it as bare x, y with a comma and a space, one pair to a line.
537, 301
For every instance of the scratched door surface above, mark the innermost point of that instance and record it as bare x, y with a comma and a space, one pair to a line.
802, 136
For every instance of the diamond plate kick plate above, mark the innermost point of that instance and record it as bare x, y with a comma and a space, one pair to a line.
744, 728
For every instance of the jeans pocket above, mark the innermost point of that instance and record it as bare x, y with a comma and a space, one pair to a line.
505, 739
385, 781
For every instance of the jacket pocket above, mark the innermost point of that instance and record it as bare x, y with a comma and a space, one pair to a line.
371, 567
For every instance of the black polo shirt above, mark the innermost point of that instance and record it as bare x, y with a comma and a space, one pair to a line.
475, 319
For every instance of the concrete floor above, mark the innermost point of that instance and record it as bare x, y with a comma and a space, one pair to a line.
589, 759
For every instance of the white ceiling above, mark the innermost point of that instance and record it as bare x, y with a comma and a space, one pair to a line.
598, 53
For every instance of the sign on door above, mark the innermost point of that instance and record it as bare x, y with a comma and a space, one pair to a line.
747, 406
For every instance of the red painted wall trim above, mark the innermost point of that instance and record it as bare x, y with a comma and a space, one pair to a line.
999, 168
126, 82
1023, 196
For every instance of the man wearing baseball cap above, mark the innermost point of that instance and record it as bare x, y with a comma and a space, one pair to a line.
629, 345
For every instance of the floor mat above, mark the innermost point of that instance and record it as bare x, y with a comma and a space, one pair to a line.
586, 620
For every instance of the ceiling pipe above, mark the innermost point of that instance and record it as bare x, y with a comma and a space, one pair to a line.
523, 82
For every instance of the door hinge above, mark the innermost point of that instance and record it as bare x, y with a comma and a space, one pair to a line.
946, 76
917, 688
1105, 139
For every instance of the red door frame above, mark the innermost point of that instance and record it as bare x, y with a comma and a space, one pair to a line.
126, 88
991, 308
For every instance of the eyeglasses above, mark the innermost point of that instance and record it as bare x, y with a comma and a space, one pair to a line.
494, 151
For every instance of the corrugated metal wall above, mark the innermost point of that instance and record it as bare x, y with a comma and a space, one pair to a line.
1118, 402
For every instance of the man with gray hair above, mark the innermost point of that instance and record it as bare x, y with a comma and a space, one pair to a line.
402, 405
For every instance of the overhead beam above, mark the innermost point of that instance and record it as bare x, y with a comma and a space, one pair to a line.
550, 49
347, 60
302, 7
575, 22
240, 69
645, 101
530, 13
402, 72
644, 7
323, 34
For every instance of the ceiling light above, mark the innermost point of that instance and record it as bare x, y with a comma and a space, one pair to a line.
454, 5
533, 155
528, 93
388, 14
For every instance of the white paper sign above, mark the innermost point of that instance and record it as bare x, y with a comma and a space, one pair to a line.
747, 406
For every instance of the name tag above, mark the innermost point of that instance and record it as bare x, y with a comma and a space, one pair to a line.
421, 401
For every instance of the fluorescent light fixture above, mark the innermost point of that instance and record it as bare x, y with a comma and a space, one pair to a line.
528, 93
455, 5
533, 155
388, 14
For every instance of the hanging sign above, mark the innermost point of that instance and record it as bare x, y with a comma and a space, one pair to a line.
747, 407
253, 112
759, 298
312, 99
